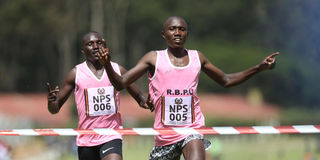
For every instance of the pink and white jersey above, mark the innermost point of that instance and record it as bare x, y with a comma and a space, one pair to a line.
97, 103
173, 91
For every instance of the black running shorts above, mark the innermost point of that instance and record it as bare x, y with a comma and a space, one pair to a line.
100, 151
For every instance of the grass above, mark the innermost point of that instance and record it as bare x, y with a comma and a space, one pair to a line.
227, 147
137, 147
267, 147
240, 147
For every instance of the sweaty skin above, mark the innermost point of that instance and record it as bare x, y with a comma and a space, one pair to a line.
91, 43
175, 33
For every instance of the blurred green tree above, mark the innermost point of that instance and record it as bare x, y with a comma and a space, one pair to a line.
40, 40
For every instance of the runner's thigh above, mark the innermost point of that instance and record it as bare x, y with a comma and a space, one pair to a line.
194, 150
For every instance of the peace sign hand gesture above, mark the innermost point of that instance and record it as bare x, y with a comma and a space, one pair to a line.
52, 94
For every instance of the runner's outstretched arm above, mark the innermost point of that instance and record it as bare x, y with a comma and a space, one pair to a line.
228, 80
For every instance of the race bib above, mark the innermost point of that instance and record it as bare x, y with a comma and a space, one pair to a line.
100, 101
177, 111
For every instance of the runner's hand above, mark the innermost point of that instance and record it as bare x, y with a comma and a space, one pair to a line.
148, 104
104, 55
269, 62
52, 94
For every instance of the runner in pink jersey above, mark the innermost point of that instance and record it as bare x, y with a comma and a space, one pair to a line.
97, 102
177, 97
173, 79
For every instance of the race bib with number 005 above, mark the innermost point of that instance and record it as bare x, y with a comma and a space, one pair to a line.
177, 111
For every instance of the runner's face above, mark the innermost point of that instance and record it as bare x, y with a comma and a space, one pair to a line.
175, 32
91, 45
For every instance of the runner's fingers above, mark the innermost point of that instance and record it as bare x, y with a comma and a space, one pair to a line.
103, 50
272, 57
53, 93
270, 60
103, 53
56, 90
52, 98
152, 109
48, 87
100, 52
274, 54
107, 50
104, 43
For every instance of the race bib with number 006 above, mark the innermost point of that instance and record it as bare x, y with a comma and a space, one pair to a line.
100, 101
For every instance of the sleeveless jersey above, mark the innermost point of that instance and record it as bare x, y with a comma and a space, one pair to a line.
173, 91
97, 104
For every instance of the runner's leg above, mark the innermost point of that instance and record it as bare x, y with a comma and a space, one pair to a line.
194, 150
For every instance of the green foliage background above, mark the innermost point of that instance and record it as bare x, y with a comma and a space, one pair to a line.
40, 40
